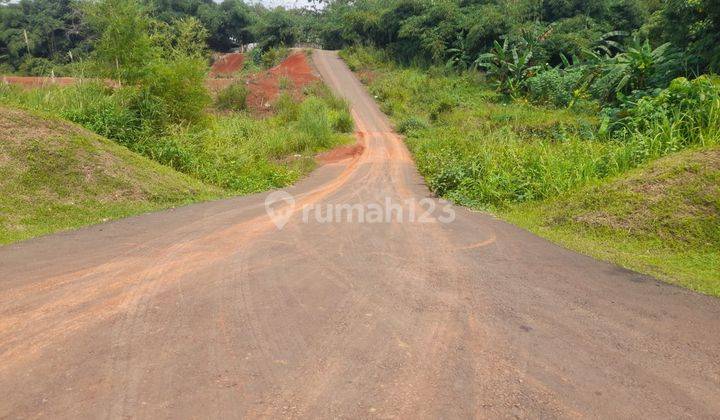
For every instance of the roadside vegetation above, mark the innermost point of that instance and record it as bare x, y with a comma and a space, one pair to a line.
517, 107
559, 129
660, 219
150, 98
55, 175
237, 151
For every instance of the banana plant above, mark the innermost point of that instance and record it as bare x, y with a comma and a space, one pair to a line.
507, 67
459, 58
638, 68
608, 46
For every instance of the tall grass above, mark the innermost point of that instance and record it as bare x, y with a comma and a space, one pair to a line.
479, 151
233, 97
239, 152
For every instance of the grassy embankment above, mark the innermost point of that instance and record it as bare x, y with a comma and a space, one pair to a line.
56, 176
549, 171
225, 153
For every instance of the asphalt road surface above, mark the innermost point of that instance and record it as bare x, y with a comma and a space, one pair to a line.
210, 311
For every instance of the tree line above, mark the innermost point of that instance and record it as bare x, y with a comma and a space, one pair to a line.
413, 30
37, 35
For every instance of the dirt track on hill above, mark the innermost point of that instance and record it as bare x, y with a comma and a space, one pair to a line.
264, 87
227, 64
211, 311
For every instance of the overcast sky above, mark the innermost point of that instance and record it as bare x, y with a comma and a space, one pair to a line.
285, 3
268, 3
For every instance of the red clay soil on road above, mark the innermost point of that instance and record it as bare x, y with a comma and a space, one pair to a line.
211, 311
227, 65
342, 153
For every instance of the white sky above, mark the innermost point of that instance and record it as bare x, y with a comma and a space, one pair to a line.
268, 3
275, 3
286, 3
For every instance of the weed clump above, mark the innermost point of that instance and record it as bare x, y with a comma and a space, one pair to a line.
343, 121
233, 97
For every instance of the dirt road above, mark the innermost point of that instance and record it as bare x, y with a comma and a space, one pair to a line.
211, 311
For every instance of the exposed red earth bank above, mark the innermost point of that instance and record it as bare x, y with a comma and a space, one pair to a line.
227, 65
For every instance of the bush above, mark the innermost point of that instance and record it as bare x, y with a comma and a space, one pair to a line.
313, 121
411, 123
553, 86
274, 56
107, 117
343, 121
286, 108
686, 113
359, 57
36, 66
233, 97
448, 179
269, 57
179, 83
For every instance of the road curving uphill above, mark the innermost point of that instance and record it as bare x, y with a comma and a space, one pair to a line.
401, 307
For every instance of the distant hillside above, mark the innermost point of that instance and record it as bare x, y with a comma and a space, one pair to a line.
55, 176
662, 219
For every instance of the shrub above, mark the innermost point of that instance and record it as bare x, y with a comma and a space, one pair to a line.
36, 66
686, 113
270, 57
358, 57
313, 121
441, 106
233, 97
411, 123
179, 83
286, 108
448, 179
343, 121
553, 86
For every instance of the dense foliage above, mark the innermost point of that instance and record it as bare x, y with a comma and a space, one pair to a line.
44, 37
478, 149
154, 57
456, 32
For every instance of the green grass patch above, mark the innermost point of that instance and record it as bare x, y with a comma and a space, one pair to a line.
551, 171
235, 151
56, 176
662, 219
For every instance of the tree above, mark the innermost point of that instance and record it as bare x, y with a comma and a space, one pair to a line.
693, 25
276, 27
638, 68
47, 29
124, 47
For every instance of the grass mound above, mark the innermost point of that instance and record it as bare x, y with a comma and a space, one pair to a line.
56, 176
237, 151
662, 219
